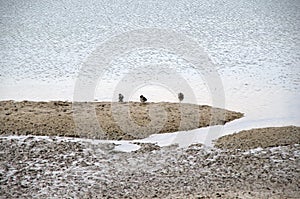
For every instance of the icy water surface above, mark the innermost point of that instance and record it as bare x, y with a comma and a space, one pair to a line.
255, 46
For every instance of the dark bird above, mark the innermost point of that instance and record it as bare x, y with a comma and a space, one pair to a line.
121, 97
143, 99
180, 96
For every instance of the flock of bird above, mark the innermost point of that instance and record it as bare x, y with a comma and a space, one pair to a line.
144, 99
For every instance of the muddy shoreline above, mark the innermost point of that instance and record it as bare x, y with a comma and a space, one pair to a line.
118, 121
260, 137
43, 167
256, 163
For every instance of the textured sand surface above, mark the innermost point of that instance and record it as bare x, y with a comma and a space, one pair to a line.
57, 167
57, 118
261, 137
40, 167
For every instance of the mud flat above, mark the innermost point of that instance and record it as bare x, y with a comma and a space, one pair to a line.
261, 137
55, 167
58, 118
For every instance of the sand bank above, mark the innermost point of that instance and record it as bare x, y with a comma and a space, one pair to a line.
261, 137
57, 118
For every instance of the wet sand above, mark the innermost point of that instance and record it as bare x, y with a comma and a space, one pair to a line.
118, 121
43, 167
261, 137
257, 163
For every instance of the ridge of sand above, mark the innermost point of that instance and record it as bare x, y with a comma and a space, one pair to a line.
56, 118
260, 137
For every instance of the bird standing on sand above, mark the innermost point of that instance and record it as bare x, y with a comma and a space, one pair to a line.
143, 99
180, 96
121, 97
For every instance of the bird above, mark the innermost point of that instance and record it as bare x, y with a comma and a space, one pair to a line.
143, 99
180, 96
121, 97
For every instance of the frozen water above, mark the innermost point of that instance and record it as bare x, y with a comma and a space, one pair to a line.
255, 46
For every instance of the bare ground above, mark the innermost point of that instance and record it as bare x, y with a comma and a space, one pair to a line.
106, 120
261, 137
55, 167
39, 167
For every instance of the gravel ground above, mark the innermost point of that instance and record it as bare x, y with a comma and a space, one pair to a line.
51, 167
